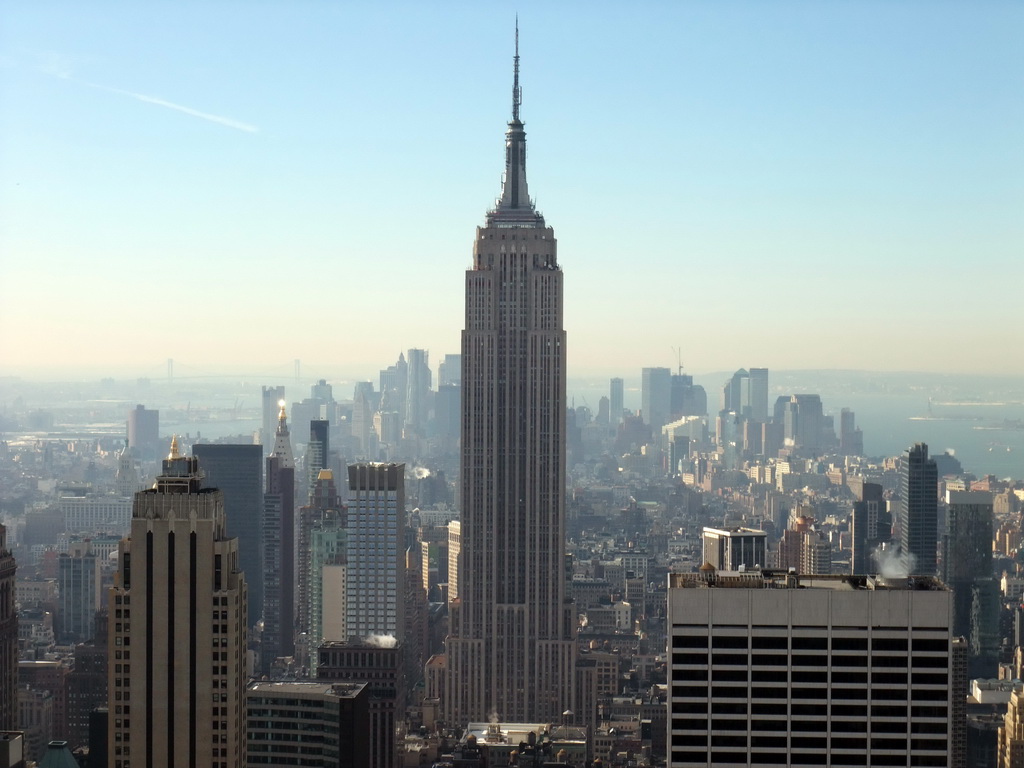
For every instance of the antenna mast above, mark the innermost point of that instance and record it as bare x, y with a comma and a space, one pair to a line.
517, 92
679, 358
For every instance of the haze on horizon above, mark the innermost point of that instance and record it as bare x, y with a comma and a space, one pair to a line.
793, 185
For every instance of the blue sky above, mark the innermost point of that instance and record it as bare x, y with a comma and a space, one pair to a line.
791, 185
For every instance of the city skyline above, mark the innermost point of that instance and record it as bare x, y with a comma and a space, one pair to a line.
829, 163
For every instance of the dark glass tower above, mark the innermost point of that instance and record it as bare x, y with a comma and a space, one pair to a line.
8, 639
511, 648
918, 511
871, 527
237, 470
279, 549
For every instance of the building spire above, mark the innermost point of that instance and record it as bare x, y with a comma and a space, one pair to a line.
517, 92
514, 208
282, 440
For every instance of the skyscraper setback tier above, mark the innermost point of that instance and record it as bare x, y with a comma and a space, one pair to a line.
511, 650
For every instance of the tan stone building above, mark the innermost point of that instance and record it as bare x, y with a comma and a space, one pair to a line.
1011, 733
178, 623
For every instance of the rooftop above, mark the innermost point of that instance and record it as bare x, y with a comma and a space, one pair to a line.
775, 579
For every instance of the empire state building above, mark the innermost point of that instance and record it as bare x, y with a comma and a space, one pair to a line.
511, 650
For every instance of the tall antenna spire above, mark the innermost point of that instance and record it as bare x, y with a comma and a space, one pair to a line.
517, 92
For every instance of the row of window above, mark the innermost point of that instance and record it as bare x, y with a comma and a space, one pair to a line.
816, 642
704, 758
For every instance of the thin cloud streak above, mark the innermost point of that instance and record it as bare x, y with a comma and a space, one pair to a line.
226, 121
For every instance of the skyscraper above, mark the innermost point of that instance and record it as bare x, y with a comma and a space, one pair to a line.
449, 372
279, 549
736, 393
851, 439
8, 639
417, 391
616, 388
177, 630
318, 450
144, 431
918, 513
803, 419
333, 718
758, 394
967, 570
656, 397
78, 575
321, 518
871, 527
272, 397
771, 668
728, 549
511, 648
375, 578
237, 471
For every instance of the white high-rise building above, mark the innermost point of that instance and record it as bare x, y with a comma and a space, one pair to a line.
375, 571
732, 548
417, 391
771, 668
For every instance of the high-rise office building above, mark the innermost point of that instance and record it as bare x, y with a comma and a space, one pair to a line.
758, 393
364, 404
332, 718
771, 668
511, 649
8, 639
616, 392
318, 450
804, 421
728, 549
686, 398
870, 528
449, 372
177, 630
967, 570
321, 588
656, 397
78, 581
736, 393
279, 549
377, 662
144, 432
272, 399
394, 382
918, 511
417, 392
447, 411
851, 439
237, 471
375, 579
87, 683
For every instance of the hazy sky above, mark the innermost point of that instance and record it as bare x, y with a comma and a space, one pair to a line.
792, 185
